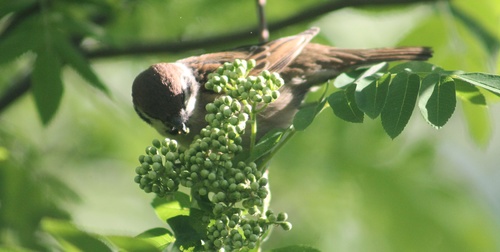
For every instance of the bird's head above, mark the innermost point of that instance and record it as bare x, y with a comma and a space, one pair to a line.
164, 95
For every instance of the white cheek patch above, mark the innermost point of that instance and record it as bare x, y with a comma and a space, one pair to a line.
189, 91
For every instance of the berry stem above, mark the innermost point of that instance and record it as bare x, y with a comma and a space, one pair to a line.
253, 128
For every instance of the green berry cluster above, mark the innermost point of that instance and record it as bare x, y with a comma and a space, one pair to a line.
234, 232
160, 168
232, 79
208, 166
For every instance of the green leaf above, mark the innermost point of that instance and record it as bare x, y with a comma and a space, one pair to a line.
487, 81
475, 111
344, 105
71, 238
305, 116
25, 37
126, 243
15, 6
373, 72
160, 237
72, 56
415, 67
186, 235
171, 206
469, 93
266, 144
437, 99
371, 94
347, 78
398, 108
296, 248
478, 122
47, 85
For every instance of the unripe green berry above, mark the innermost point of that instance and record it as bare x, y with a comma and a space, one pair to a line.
148, 159
170, 183
235, 196
224, 79
218, 243
212, 176
282, 217
211, 108
267, 99
221, 196
271, 218
286, 226
240, 177
217, 89
195, 168
202, 191
170, 156
233, 120
254, 186
137, 179
151, 150
251, 63
275, 94
157, 159
208, 163
145, 166
257, 230
204, 173
253, 238
148, 189
156, 143
233, 147
263, 181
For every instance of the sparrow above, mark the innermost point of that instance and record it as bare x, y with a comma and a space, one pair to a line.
171, 97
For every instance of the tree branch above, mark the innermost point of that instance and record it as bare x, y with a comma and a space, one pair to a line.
263, 31
23, 84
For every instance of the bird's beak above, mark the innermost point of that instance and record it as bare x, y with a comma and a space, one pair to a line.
179, 127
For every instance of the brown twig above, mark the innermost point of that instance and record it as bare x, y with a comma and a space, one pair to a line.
263, 31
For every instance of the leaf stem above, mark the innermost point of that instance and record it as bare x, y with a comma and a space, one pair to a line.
253, 128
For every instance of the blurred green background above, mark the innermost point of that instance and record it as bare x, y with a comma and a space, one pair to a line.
346, 187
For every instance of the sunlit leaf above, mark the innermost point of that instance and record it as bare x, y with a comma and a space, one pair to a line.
415, 67
437, 99
126, 243
344, 105
169, 207
469, 93
487, 81
373, 72
371, 94
475, 111
399, 105
72, 238
347, 78
305, 116
266, 144
478, 122
160, 237
47, 84
186, 235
